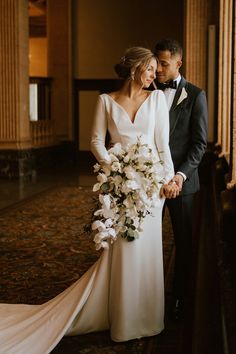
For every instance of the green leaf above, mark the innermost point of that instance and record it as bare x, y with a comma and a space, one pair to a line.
129, 239
105, 187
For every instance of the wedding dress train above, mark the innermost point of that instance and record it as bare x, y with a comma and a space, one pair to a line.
124, 290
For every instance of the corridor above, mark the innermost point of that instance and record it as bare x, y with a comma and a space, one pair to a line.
196, 333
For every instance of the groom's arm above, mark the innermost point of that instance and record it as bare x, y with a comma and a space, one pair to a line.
199, 127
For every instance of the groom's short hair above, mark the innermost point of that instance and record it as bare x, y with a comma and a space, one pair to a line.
171, 45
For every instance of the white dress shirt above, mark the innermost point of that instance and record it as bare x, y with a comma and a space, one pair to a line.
170, 94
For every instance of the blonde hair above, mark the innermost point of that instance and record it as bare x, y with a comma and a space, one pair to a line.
134, 62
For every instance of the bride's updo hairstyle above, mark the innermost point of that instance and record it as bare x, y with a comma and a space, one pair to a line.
134, 63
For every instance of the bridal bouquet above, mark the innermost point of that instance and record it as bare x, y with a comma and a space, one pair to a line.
128, 188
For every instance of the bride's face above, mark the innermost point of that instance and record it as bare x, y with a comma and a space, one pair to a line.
149, 74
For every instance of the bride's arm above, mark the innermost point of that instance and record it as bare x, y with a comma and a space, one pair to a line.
162, 136
170, 188
98, 133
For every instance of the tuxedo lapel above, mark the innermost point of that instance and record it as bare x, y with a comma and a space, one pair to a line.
175, 109
178, 93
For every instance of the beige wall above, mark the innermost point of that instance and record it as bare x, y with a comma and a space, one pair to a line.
38, 65
103, 29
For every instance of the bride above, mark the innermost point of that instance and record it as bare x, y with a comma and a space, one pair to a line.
124, 290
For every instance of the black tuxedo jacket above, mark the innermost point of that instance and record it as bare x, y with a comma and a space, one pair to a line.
188, 132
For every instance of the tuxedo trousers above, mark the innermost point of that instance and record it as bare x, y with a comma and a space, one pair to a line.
181, 214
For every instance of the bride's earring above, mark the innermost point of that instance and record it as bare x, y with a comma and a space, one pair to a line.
132, 76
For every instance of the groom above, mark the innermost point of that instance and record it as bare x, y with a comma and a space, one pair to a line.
188, 140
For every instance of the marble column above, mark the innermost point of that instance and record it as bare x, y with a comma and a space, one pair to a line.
225, 77
232, 183
195, 42
14, 85
200, 53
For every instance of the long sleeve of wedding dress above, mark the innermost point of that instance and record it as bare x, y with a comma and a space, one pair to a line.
154, 127
162, 137
124, 290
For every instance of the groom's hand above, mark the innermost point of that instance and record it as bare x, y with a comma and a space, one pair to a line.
170, 190
179, 180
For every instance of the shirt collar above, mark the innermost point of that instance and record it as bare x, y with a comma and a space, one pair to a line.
178, 79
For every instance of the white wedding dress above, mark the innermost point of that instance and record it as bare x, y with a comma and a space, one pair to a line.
124, 290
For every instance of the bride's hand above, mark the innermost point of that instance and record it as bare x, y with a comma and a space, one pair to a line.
170, 190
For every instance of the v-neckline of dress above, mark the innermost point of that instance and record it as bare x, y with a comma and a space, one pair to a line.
124, 110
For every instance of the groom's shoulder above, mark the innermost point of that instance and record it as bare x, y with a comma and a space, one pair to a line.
193, 89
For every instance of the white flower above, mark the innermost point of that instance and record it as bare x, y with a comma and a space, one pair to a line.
117, 180
136, 222
131, 212
128, 202
116, 149
102, 244
98, 225
144, 198
102, 226
144, 151
96, 187
108, 222
105, 200
132, 184
130, 172
126, 158
106, 169
102, 178
129, 186
116, 166
96, 167
100, 236
146, 183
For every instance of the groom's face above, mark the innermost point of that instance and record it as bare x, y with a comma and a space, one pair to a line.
167, 66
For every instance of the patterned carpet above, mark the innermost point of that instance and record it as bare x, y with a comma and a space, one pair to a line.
44, 248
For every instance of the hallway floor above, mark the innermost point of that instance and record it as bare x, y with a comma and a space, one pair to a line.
177, 335
14, 191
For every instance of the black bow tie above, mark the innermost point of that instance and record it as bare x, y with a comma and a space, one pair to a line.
171, 84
